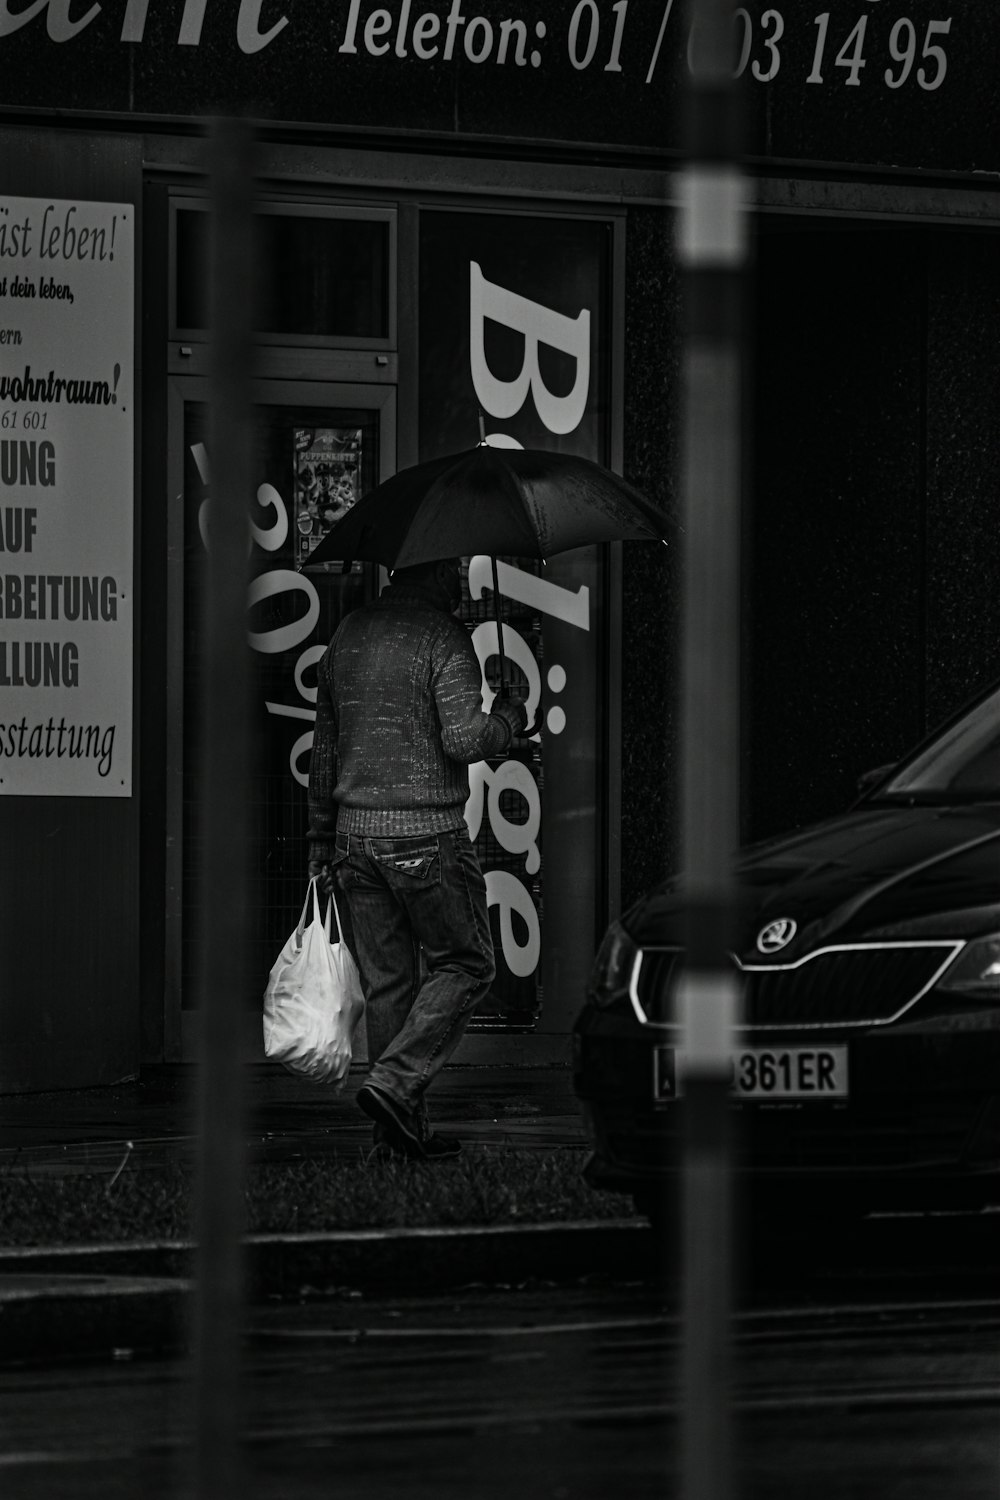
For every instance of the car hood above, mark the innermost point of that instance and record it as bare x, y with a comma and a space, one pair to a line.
877, 867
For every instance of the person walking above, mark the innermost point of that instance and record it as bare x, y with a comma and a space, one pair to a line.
399, 719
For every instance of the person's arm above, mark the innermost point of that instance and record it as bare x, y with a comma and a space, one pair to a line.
323, 772
468, 734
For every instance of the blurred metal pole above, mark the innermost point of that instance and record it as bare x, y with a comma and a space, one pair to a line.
224, 789
711, 252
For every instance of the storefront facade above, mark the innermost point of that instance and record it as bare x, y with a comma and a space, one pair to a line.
464, 214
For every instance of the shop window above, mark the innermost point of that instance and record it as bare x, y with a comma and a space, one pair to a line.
309, 464
323, 277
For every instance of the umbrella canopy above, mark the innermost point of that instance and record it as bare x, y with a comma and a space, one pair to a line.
518, 502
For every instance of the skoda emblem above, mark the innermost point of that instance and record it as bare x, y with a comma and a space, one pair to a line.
777, 934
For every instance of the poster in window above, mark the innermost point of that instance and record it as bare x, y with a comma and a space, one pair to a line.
67, 473
327, 483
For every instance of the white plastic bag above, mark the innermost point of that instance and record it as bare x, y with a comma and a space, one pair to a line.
313, 1000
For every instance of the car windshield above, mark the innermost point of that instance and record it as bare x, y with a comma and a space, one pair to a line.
963, 761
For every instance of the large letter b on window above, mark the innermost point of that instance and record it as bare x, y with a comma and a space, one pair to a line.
537, 325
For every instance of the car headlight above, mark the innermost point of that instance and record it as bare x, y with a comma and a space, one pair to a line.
976, 971
613, 966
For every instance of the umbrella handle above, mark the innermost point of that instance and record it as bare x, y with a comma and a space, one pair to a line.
504, 689
504, 684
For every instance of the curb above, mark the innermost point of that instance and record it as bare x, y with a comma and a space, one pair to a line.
96, 1300
403, 1259
44, 1318
431, 1260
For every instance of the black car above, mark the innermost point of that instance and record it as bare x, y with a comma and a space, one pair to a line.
868, 1056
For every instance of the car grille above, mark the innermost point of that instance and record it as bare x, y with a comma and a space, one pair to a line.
849, 986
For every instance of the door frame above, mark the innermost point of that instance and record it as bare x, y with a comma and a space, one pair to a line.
179, 1023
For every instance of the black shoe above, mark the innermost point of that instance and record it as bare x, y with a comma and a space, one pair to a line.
436, 1147
442, 1147
402, 1130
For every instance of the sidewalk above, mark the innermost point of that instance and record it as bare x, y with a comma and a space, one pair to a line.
91, 1300
89, 1129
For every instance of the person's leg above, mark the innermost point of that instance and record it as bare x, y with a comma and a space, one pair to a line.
378, 932
438, 881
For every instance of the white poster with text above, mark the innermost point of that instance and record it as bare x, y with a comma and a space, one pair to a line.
67, 343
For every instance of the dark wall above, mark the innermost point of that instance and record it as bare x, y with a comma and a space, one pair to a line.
872, 571
963, 466
651, 574
834, 624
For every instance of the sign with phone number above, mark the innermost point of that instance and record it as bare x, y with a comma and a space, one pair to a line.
765, 36
900, 83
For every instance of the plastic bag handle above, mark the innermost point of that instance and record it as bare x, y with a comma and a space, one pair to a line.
312, 891
300, 929
336, 912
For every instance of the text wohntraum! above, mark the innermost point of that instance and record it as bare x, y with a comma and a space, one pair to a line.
51, 389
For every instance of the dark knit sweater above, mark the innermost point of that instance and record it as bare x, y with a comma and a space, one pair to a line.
399, 719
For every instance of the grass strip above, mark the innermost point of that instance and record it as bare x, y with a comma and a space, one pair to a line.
486, 1185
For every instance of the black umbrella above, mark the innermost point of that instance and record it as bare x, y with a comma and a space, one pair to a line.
516, 502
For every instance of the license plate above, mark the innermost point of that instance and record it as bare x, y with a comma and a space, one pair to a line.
765, 1073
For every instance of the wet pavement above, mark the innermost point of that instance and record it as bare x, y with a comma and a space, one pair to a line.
543, 1393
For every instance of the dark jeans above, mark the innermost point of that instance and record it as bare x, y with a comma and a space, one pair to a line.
403, 895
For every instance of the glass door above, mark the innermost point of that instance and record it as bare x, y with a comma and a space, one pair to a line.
316, 448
